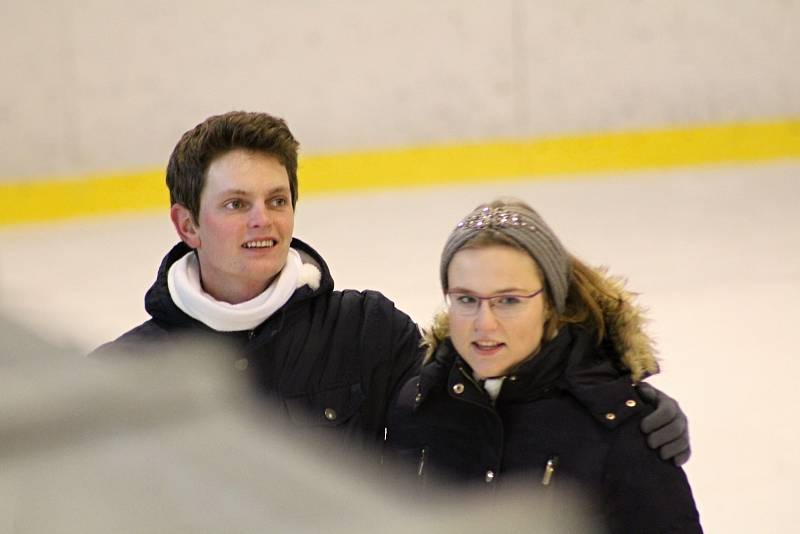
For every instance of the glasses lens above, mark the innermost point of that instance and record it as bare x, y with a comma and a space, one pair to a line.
463, 304
506, 306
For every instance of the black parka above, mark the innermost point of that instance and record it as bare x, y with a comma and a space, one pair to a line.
329, 359
569, 417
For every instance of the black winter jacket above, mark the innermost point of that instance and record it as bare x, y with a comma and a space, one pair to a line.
567, 416
331, 359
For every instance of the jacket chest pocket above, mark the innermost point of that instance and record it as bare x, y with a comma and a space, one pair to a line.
326, 408
554, 469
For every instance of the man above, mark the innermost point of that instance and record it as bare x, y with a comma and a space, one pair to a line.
327, 358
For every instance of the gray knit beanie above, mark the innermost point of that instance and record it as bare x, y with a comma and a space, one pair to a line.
518, 221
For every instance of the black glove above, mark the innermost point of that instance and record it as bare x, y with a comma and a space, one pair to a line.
667, 428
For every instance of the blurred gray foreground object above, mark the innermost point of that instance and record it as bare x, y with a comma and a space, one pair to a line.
177, 444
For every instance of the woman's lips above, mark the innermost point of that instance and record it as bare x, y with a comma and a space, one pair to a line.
487, 348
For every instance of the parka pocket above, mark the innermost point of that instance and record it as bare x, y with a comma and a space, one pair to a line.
326, 408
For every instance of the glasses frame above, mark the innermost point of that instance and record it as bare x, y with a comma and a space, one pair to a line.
490, 300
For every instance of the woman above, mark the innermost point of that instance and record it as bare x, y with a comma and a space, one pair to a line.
531, 375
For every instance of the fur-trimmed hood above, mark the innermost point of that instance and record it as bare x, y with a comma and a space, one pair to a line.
624, 328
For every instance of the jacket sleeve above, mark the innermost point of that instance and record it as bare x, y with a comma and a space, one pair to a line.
394, 341
133, 342
643, 493
407, 351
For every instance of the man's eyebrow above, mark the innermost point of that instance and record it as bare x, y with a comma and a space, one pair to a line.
242, 192
279, 189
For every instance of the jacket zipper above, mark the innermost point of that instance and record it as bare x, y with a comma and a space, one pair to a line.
549, 470
421, 467
469, 377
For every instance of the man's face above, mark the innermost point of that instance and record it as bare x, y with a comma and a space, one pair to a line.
245, 225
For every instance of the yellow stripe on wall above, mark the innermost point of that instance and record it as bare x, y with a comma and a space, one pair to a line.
46, 200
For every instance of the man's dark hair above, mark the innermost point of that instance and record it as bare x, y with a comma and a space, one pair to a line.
217, 135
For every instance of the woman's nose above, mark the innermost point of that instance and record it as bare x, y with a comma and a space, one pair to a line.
485, 318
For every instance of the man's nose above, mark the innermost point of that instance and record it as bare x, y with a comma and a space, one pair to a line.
259, 216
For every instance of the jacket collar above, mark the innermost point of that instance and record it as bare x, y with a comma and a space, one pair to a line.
570, 363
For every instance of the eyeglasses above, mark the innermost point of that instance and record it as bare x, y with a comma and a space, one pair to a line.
504, 306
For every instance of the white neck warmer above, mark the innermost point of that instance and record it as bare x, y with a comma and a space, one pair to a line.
183, 281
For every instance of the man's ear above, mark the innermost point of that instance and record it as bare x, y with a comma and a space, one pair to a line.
185, 225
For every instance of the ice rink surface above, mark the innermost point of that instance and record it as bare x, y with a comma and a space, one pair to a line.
714, 252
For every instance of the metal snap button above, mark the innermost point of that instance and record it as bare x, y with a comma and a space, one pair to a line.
458, 389
630, 403
330, 414
611, 416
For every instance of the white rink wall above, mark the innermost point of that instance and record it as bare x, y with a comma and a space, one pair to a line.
95, 85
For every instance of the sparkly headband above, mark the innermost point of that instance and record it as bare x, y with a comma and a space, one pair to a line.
494, 218
523, 225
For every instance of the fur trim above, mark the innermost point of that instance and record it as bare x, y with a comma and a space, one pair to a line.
625, 327
436, 334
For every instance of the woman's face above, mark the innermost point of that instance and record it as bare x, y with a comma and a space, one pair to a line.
498, 334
